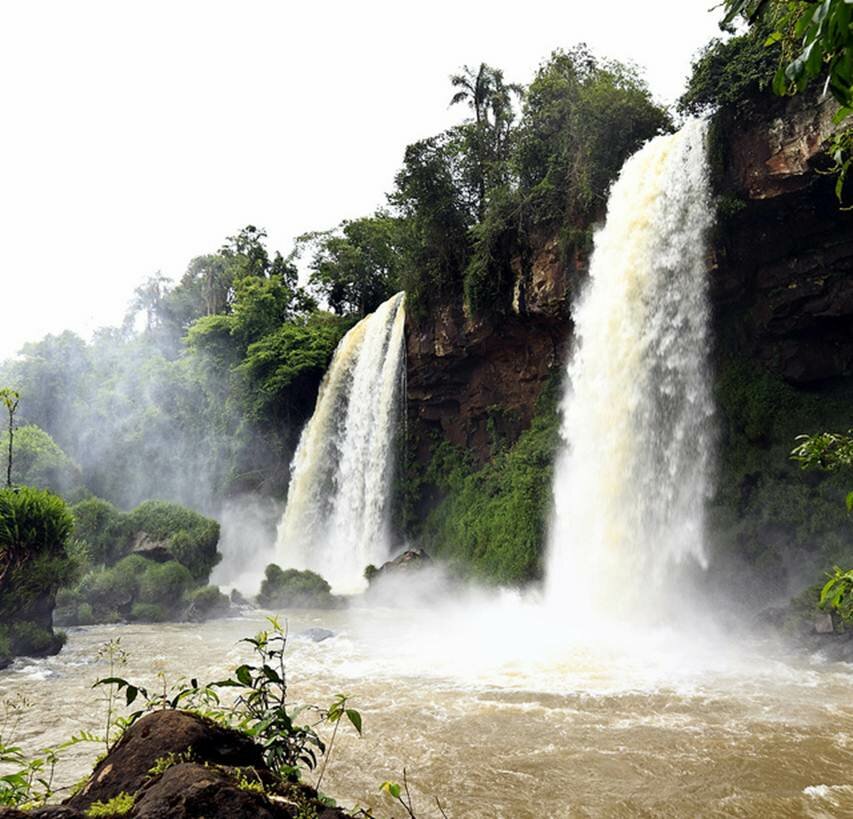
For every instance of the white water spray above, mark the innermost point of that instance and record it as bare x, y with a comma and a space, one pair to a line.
632, 481
336, 520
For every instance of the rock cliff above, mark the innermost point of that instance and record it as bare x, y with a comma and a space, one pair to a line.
783, 251
782, 280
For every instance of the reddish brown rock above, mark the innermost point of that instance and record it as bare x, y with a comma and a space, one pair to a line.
126, 768
471, 380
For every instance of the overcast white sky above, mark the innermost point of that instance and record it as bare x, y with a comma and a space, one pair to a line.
135, 135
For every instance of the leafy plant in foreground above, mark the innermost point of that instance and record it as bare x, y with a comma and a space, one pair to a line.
261, 709
30, 780
266, 716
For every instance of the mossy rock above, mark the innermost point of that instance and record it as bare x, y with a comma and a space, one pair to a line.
296, 589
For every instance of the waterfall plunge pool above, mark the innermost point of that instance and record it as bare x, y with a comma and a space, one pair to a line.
502, 711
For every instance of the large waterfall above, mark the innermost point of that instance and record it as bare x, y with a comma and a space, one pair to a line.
631, 483
336, 520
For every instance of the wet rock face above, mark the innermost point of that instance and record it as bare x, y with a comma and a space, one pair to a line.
775, 155
410, 561
783, 258
470, 380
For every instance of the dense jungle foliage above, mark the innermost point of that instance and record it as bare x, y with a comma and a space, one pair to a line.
206, 397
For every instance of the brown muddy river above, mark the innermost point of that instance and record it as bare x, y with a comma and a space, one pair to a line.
501, 712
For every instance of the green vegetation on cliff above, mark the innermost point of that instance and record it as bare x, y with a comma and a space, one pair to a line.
470, 201
491, 522
786, 526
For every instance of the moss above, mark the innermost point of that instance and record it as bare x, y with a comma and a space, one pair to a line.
163, 763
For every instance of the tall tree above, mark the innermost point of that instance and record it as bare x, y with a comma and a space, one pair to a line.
490, 98
10, 399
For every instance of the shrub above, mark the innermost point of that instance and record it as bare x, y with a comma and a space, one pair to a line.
192, 537
33, 520
85, 615
292, 588
103, 527
5, 646
34, 529
164, 583
114, 589
731, 73
207, 602
33, 640
149, 613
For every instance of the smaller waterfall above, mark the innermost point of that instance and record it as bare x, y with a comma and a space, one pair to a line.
336, 520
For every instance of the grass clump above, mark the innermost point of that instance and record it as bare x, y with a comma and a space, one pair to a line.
120, 805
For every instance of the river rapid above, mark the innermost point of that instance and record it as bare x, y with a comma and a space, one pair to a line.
501, 712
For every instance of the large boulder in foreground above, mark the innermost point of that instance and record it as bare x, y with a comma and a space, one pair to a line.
155, 736
177, 765
193, 790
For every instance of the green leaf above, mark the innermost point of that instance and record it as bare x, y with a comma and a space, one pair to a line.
111, 681
244, 675
391, 788
850, 503
355, 717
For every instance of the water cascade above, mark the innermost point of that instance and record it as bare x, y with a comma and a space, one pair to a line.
631, 482
336, 519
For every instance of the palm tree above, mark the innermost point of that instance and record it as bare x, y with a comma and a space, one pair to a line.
486, 93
